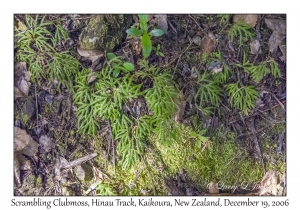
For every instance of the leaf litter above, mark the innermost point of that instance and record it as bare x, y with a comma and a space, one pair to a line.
278, 36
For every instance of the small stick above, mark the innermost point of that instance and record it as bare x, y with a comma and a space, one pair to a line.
196, 22
79, 161
113, 147
37, 111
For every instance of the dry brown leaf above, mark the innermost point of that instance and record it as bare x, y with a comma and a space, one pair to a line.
268, 185
18, 93
17, 180
22, 77
181, 108
255, 47
276, 25
161, 21
278, 35
92, 55
24, 143
275, 40
213, 188
249, 19
60, 163
24, 163
283, 50
207, 45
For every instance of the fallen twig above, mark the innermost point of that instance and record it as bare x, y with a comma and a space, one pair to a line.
36, 105
79, 161
113, 147
196, 22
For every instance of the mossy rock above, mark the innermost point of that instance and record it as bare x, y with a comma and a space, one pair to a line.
104, 32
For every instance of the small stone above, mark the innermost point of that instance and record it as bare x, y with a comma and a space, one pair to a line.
49, 98
80, 173
29, 107
191, 33
196, 40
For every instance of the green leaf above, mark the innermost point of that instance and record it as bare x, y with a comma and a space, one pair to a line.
143, 18
198, 143
134, 32
111, 56
193, 134
203, 139
116, 72
128, 66
156, 32
143, 23
202, 132
146, 45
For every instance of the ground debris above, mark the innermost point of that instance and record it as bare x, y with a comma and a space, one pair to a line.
46, 143
277, 37
21, 79
268, 185
248, 19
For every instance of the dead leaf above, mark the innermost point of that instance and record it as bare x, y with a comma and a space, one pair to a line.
249, 19
276, 25
279, 33
24, 143
24, 163
207, 45
275, 40
59, 165
213, 188
268, 185
181, 108
18, 93
161, 21
23, 86
255, 47
46, 143
22, 78
17, 180
92, 55
283, 50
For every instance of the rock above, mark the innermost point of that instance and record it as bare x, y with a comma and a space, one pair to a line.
104, 33
80, 173
29, 107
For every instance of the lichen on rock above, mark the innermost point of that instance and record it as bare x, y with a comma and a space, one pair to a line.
104, 32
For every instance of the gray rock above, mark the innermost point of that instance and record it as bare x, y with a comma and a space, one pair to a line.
29, 107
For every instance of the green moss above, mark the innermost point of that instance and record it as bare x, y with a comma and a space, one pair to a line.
223, 161
104, 32
38, 181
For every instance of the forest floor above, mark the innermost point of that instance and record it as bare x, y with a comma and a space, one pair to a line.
229, 126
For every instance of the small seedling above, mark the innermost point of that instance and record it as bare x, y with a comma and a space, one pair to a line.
157, 51
144, 34
117, 65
